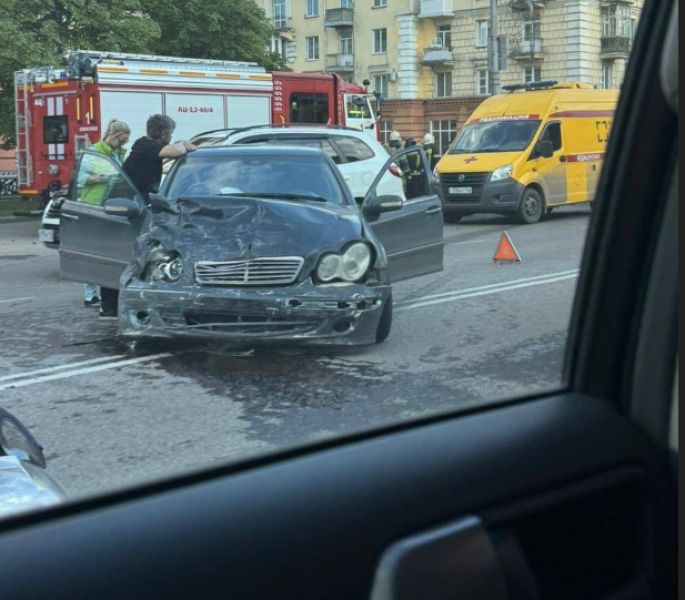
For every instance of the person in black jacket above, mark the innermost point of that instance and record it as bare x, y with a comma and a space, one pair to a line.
144, 164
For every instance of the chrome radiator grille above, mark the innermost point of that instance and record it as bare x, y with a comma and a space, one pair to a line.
266, 271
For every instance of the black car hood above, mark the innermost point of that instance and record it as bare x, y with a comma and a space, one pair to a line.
225, 227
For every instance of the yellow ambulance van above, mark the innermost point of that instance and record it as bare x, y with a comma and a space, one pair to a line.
537, 146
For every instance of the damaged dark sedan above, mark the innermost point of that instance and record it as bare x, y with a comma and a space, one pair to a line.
251, 244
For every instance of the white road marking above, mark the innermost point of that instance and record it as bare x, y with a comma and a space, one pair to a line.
494, 290
92, 361
17, 299
75, 372
489, 286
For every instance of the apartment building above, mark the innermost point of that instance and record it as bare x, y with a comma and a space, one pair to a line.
429, 58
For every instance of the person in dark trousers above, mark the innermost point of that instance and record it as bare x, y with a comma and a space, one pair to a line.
413, 172
429, 149
144, 168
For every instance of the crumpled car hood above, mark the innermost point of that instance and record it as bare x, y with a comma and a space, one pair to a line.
216, 228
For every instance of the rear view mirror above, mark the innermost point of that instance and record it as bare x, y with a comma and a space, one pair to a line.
375, 205
122, 207
544, 148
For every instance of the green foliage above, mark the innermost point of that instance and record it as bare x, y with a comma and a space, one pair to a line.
39, 33
230, 30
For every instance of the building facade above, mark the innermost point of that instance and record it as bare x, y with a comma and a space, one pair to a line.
429, 58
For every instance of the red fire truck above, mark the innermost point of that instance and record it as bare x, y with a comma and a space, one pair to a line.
60, 112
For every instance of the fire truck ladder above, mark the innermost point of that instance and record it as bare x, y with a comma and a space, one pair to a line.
22, 113
23, 80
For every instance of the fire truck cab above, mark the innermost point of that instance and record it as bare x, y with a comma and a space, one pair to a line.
60, 112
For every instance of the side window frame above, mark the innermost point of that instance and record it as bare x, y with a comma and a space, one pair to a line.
75, 192
335, 141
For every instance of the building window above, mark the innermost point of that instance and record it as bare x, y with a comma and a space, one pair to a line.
616, 21
482, 32
444, 36
531, 74
444, 133
312, 8
443, 84
346, 42
380, 3
279, 12
482, 82
279, 46
312, 47
380, 84
386, 129
607, 76
380, 41
531, 36
346, 3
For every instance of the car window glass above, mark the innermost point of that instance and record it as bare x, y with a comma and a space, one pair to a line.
552, 133
249, 365
264, 174
353, 149
98, 179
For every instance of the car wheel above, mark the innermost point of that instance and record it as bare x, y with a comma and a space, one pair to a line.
385, 323
451, 217
531, 207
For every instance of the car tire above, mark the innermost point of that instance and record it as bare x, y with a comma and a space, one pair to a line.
451, 217
531, 208
385, 322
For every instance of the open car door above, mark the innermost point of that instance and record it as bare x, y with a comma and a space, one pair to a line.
97, 236
412, 235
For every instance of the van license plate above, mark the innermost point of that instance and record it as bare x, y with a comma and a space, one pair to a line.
461, 190
46, 235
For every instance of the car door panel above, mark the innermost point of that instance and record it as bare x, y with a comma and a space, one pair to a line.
411, 236
96, 247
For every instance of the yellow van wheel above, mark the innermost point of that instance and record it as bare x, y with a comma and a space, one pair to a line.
531, 207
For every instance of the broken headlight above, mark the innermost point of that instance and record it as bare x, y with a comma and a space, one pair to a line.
164, 266
350, 265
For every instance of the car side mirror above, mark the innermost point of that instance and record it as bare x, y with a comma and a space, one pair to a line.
375, 205
544, 148
122, 207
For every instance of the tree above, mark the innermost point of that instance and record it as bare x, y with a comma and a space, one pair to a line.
223, 29
40, 32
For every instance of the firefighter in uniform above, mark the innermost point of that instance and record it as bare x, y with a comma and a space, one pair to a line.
394, 142
411, 167
429, 149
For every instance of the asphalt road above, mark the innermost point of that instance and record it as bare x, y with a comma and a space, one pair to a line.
474, 333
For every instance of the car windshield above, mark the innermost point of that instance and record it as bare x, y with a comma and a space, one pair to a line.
267, 175
367, 232
495, 136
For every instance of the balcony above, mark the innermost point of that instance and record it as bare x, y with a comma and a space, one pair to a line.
340, 63
437, 55
524, 6
615, 47
527, 50
339, 17
431, 9
283, 24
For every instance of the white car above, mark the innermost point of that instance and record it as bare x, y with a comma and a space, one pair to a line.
358, 156
49, 225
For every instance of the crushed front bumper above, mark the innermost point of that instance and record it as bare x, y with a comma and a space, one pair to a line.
336, 314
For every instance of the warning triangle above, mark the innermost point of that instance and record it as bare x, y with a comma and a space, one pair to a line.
506, 252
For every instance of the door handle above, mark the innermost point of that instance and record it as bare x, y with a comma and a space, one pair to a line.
433, 210
69, 217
